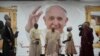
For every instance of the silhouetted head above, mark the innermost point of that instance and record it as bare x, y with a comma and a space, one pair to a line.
86, 24
6, 17
36, 26
8, 20
69, 29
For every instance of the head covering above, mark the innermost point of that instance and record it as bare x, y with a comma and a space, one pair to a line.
6, 17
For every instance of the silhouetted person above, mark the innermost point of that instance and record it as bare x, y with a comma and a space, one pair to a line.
87, 38
1, 28
8, 38
35, 45
70, 47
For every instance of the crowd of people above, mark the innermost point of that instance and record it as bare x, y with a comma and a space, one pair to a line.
55, 20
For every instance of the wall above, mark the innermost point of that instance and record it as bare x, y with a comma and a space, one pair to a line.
76, 16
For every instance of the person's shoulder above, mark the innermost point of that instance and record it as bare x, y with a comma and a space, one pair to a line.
43, 30
64, 32
32, 30
91, 29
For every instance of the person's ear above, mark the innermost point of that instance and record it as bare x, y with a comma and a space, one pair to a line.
66, 20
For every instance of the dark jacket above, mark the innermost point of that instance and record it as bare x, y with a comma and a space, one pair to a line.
8, 37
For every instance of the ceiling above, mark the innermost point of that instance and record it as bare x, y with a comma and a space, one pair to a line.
52, 0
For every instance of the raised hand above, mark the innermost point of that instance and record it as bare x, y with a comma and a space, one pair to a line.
33, 18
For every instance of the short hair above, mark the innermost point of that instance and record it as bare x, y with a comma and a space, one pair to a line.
6, 17
69, 28
87, 23
36, 26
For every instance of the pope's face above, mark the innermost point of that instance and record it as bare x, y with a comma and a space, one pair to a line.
55, 18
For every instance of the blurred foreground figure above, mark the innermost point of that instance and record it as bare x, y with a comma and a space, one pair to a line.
87, 38
1, 41
1, 28
35, 46
70, 48
8, 38
52, 45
